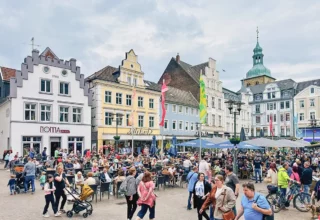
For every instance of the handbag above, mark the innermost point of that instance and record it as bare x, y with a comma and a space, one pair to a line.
229, 215
266, 217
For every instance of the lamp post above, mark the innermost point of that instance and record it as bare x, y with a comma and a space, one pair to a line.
200, 133
313, 124
118, 119
235, 109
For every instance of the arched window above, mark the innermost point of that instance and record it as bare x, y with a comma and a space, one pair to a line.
257, 82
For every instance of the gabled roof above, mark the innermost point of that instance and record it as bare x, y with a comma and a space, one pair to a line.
152, 86
231, 95
7, 73
302, 85
49, 53
177, 96
107, 74
282, 84
193, 71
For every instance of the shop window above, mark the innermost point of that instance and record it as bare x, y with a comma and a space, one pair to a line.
75, 145
30, 111
29, 143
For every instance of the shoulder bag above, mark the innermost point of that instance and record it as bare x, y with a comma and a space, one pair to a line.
229, 215
266, 217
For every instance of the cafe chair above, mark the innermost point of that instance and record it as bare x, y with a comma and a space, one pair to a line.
118, 187
183, 180
104, 187
160, 181
95, 190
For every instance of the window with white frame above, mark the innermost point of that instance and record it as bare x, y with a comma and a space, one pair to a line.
127, 119
174, 125
301, 103
301, 117
151, 121
107, 97
287, 116
186, 126
140, 101
191, 126
129, 80
118, 98
119, 119
187, 110
312, 115
128, 100
134, 82
45, 85
31, 143
180, 125
213, 102
311, 102
30, 111
76, 115
192, 111
258, 120
281, 117
219, 104
151, 103
75, 144
45, 112
287, 104
288, 131
108, 118
140, 121
64, 114
311, 90
174, 108
64, 88
220, 121
180, 109
166, 106
213, 120
165, 124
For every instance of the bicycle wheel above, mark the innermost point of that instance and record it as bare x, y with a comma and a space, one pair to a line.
302, 202
274, 201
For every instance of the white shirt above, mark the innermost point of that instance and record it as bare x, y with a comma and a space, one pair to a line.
218, 192
108, 179
171, 170
203, 167
76, 166
199, 188
187, 163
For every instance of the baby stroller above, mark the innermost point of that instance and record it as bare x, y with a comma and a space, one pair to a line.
79, 201
19, 182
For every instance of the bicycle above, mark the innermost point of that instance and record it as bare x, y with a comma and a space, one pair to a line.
278, 201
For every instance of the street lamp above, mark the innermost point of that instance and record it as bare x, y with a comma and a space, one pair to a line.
118, 119
198, 125
313, 124
235, 109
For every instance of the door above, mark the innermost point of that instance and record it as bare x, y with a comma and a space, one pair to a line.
55, 143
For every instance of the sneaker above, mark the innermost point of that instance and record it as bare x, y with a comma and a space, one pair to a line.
46, 215
62, 211
57, 214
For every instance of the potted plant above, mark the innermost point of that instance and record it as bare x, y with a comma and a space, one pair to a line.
235, 141
313, 142
116, 138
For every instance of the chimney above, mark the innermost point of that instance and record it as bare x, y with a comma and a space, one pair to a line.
178, 58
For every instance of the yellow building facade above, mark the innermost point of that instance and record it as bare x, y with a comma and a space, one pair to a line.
124, 105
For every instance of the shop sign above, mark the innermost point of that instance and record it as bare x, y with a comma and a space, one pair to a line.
46, 129
140, 131
203, 134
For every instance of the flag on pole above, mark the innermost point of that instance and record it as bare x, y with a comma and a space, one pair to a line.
133, 111
203, 101
164, 88
271, 125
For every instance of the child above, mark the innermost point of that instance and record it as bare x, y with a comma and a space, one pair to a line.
12, 184
43, 179
49, 188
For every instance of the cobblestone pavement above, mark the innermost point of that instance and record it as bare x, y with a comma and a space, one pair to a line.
171, 205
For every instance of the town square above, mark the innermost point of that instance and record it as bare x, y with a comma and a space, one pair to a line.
158, 109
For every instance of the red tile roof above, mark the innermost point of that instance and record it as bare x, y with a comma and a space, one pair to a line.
7, 73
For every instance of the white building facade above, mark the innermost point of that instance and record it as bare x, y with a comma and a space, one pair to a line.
48, 106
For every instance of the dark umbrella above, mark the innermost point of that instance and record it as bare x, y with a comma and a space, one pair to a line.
261, 133
242, 135
153, 149
173, 148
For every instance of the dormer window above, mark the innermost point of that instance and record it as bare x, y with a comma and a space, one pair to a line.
312, 90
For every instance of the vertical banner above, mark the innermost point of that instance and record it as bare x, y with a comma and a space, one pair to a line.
203, 101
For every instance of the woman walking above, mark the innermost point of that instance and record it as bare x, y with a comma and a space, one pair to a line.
48, 190
222, 198
147, 198
131, 193
201, 190
273, 174
60, 182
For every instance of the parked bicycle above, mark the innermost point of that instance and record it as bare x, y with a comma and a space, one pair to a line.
301, 200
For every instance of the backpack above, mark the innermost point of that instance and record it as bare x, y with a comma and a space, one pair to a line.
266, 217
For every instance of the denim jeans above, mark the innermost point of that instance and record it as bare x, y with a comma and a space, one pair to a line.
189, 200
12, 189
256, 173
144, 209
306, 189
211, 213
26, 182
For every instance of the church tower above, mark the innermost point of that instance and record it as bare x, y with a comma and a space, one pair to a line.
258, 74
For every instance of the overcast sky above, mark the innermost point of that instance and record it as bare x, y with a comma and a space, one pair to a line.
98, 33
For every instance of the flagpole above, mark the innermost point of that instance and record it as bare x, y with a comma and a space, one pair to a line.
200, 134
132, 147
161, 152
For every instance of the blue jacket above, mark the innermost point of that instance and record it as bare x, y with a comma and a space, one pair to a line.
192, 178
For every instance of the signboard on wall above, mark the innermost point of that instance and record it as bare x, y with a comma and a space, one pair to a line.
47, 129
140, 131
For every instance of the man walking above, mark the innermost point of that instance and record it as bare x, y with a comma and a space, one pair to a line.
192, 178
306, 179
257, 165
253, 205
30, 170
232, 181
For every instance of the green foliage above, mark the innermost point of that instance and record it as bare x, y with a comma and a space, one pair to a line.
116, 138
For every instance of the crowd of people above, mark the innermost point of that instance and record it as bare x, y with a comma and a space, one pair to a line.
212, 185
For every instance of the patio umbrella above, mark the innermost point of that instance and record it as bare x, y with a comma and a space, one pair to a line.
215, 140
196, 143
262, 142
305, 143
288, 143
173, 149
153, 149
241, 145
243, 135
